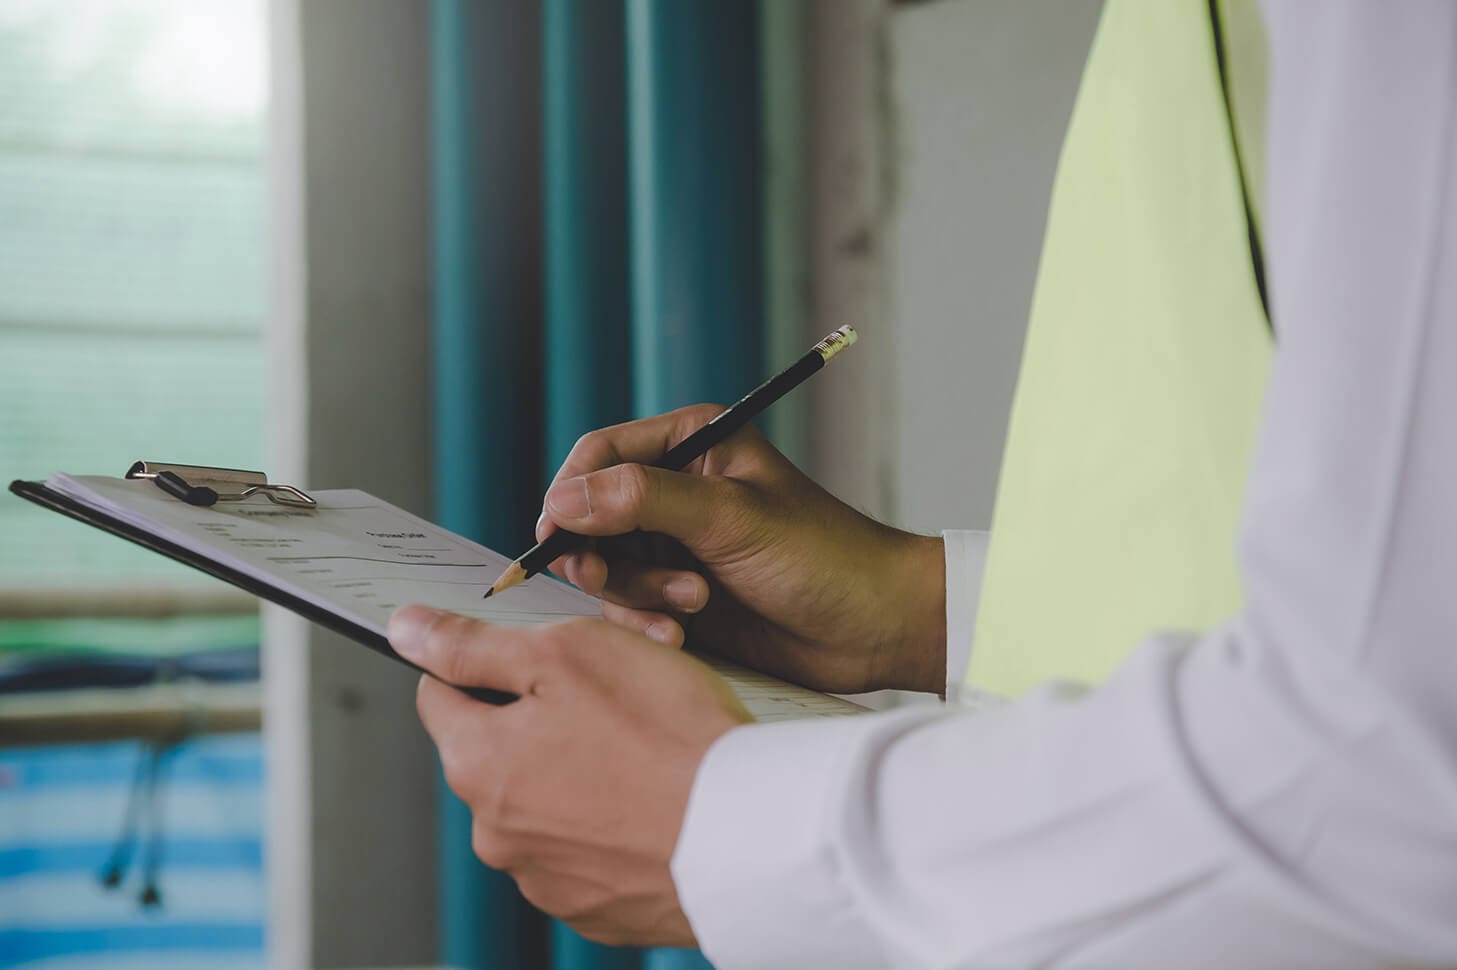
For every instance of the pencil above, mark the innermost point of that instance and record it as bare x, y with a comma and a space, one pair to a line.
749, 407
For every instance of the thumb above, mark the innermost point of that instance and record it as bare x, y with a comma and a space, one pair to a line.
625, 498
462, 651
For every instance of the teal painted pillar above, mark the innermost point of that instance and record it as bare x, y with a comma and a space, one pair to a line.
486, 135
588, 329
697, 220
695, 176
588, 357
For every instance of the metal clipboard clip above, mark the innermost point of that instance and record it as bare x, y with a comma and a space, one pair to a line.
206, 486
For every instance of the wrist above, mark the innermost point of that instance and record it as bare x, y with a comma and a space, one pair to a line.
916, 657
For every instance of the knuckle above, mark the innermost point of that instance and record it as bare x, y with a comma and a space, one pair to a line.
703, 413
454, 777
544, 894
587, 445
491, 846
634, 486
731, 492
731, 500
592, 450
551, 894
557, 652
572, 632
621, 614
446, 645
606, 934
552, 651
457, 771
736, 514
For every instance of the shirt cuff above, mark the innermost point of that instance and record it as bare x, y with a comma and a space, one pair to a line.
966, 558
757, 876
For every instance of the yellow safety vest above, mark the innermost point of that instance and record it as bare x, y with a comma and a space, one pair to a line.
1145, 360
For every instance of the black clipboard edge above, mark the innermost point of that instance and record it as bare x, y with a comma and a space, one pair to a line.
40, 494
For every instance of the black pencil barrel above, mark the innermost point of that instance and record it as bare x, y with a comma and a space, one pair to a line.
746, 409
548, 551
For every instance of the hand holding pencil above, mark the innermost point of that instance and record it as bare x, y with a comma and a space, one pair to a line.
693, 446
769, 568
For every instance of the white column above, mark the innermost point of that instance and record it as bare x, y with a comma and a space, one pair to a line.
351, 798
849, 447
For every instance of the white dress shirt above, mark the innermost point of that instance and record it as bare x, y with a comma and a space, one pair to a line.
1277, 792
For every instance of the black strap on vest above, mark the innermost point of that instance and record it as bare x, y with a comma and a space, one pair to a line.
1257, 255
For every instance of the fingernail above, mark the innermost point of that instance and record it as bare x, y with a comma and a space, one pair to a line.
684, 592
569, 500
407, 628
540, 523
663, 631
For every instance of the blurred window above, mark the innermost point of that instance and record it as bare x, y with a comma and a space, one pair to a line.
131, 257
132, 294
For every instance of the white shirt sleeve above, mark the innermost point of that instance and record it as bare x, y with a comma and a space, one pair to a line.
966, 559
1278, 792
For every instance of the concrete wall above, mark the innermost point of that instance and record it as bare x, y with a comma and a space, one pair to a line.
848, 439
938, 128
980, 94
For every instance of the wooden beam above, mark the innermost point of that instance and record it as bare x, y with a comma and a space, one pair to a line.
155, 712
142, 603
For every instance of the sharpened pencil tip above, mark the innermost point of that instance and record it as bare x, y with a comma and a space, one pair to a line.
488, 593
514, 575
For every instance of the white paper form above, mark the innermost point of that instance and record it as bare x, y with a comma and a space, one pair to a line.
361, 558
771, 699
355, 555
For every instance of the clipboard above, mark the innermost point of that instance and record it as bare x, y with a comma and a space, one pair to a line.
241, 549
40, 494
